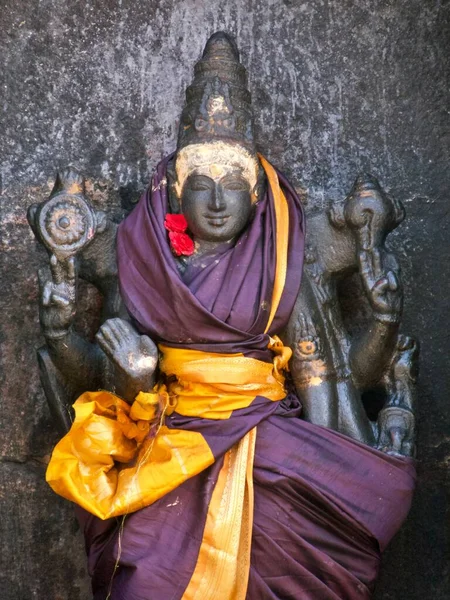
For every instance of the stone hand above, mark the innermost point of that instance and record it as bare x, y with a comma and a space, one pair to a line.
382, 286
135, 355
405, 369
396, 431
57, 289
322, 283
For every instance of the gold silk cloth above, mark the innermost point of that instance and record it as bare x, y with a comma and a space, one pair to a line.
109, 463
118, 458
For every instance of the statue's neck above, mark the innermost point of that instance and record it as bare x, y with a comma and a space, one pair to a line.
205, 247
205, 253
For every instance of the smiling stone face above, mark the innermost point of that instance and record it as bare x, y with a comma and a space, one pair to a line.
217, 207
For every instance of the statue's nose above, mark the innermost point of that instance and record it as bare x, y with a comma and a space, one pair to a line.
217, 202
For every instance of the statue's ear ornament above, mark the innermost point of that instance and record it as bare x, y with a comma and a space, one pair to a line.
65, 222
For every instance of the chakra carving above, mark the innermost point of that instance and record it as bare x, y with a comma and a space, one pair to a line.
66, 222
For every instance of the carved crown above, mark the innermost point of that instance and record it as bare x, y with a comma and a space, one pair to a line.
218, 103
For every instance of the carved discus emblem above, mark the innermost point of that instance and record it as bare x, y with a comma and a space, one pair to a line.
66, 224
308, 345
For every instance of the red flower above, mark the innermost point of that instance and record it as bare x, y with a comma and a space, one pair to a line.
181, 243
176, 223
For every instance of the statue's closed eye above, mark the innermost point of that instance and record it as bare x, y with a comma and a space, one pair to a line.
238, 186
199, 185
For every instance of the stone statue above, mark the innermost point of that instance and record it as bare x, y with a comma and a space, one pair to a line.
202, 277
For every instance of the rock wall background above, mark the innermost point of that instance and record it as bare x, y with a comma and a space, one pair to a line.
339, 86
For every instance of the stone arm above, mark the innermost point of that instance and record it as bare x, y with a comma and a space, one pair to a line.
371, 351
121, 360
80, 361
350, 238
330, 369
330, 374
319, 370
310, 368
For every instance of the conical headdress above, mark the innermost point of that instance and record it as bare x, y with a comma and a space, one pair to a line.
216, 128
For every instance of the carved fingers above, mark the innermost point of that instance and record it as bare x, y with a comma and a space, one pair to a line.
365, 232
387, 283
60, 290
57, 290
63, 271
382, 285
397, 430
370, 267
114, 336
306, 326
134, 354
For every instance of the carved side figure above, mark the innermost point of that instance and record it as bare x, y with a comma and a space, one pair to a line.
220, 411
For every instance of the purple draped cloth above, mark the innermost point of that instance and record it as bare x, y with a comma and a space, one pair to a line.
325, 505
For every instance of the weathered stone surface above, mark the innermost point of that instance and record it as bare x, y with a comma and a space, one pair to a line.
40, 539
339, 87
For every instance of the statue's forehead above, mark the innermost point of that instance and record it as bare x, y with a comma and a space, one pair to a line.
216, 160
218, 171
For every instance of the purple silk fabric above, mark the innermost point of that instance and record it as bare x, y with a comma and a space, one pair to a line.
225, 307
220, 435
325, 505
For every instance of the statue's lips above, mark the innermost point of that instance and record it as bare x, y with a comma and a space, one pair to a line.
217, 221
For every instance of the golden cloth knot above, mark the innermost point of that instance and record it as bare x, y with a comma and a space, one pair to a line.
119, 458
212, 386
